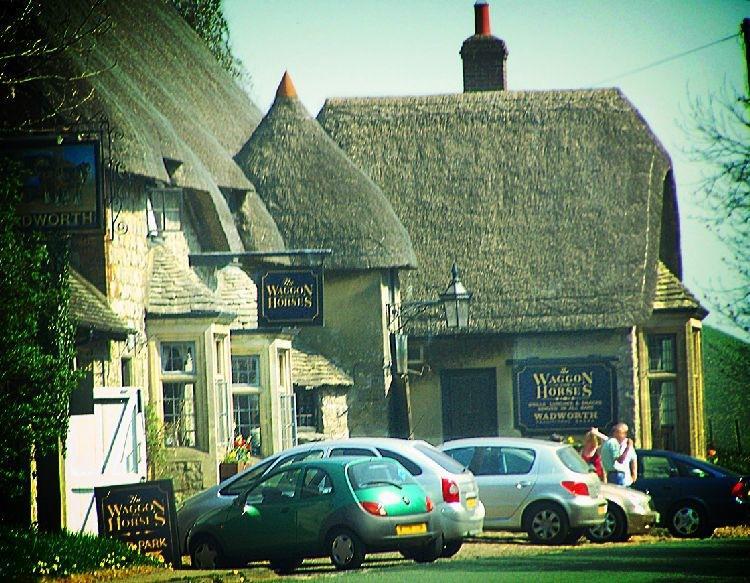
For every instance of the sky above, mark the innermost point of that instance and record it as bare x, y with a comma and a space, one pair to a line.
342, 48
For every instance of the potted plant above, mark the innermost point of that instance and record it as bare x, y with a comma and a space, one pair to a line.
237, 459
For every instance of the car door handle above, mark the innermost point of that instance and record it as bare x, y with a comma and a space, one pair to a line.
522, 484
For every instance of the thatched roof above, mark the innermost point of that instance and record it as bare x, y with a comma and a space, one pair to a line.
176, 290
90, 309
672, 295
316, 195
310, 370
163, 90
549, 202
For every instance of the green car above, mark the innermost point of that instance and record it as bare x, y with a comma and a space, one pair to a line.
340, 507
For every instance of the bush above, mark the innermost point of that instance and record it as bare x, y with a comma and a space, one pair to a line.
27, 553
737, 462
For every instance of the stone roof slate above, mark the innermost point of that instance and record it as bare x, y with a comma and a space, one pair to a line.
310, 369
89, 308
239, 294
671, 293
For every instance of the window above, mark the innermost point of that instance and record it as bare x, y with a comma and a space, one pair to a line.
463, 455
313, 454
164, 210
653, 466
316, 483
246, 370
178, 394
281, 487
437, 456
284, 370
246, 479
219, 354
351, 451
126, 372
410, 466
246, 398
287, 409
572, 460
661, 353
502, 461
376, 473
308, 408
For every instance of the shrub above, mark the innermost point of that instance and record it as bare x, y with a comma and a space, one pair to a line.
28, 553
737, 462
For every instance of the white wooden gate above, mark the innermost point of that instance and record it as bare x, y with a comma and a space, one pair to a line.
108, 447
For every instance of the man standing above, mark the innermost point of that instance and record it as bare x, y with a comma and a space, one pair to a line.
618, 456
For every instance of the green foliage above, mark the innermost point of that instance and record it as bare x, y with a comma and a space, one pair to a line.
737, 462
37, 346
206, 18
27, 553
726, 371
155, 454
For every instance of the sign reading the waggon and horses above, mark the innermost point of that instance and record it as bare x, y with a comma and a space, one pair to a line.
142, 515
563, 396
291, 297
62, 182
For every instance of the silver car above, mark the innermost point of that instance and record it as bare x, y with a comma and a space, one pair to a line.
453, 489
540, 487
629, 512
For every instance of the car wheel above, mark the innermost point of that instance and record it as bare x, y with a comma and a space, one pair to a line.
451, 547
688, 520
430, 552
346, 549
205, 553
546, 523
285, 566
612, 529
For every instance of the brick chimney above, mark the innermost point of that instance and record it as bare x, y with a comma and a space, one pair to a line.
483, 55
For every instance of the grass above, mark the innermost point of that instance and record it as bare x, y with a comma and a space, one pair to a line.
27, 554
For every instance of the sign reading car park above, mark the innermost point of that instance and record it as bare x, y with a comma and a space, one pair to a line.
563, 396
62, 183
142, 515
291, 297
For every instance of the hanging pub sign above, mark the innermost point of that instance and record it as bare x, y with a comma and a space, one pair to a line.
62, 182
563, 395
291, 297
143, 516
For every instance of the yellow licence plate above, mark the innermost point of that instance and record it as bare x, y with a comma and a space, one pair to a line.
471, 503
602, 510
403, 529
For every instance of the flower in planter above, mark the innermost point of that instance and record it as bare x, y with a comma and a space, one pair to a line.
240, 452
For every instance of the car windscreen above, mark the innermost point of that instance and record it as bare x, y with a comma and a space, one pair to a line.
245, 480
443, 460
380, 472
572, 460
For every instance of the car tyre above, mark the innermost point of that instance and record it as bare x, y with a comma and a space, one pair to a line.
614, 527
346, 549
285, 566
688, 520
451, 547
574, 535
546, 523
430, 552
205, 553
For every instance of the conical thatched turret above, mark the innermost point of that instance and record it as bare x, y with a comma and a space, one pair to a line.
316, 195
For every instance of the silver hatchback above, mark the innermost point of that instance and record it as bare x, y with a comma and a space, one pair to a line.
453, 489
540, 487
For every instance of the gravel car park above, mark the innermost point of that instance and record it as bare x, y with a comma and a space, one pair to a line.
540, 487
453, 490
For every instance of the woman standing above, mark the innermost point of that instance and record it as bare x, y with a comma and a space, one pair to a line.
590, 454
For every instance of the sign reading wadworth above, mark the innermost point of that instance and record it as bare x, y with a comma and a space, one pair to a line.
564, 396
291, 297
62, 187
142, 515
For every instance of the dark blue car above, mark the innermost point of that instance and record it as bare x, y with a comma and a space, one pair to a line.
693, 497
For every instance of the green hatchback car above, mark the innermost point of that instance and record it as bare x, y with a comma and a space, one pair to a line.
343, 508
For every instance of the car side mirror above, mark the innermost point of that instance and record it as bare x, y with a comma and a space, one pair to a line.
674, 472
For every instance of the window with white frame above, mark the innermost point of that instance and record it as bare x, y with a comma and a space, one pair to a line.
164, 210
662, 381
246, 398
178, 380
220, 387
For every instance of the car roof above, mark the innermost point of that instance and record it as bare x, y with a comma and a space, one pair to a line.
333, 462
507, 441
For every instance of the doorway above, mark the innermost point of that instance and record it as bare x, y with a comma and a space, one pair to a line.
469, 402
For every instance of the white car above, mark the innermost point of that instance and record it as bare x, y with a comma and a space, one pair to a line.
540, 487
629, 512
453, 488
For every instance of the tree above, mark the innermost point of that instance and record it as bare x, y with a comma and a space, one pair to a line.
207, 19
37, 346
721, 138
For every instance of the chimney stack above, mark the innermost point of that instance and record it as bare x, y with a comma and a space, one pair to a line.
483, 55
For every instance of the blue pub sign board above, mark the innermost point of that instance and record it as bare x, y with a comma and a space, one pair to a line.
291, 297
142, 515
564, 395
62, 185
